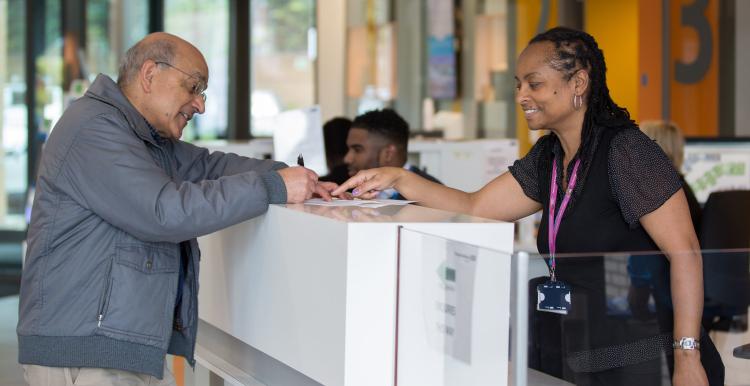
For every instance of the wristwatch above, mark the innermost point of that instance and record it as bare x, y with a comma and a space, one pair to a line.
686, 343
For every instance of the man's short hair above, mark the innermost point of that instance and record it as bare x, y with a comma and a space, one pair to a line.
385, 123
159, 50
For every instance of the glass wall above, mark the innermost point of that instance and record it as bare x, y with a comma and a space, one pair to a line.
615, 322
283, 56
13, 114
49, 67
205, 23
112, 26
493, 82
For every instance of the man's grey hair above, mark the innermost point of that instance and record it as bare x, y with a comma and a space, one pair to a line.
160, 50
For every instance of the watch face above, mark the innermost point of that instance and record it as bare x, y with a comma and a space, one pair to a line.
686, 344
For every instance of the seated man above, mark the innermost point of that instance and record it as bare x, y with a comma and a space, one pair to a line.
334, 137
379, 138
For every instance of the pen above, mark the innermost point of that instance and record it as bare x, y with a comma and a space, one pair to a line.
300, 160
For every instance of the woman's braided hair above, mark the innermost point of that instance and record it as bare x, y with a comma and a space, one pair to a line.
577, 50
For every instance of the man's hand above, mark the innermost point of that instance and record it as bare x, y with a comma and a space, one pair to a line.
324, 189
300, 183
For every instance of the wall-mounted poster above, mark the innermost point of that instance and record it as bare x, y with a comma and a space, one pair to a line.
441, 56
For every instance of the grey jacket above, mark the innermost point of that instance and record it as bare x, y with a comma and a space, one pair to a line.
111, 210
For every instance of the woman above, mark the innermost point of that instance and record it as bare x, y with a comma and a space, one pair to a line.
671, 140
623, 189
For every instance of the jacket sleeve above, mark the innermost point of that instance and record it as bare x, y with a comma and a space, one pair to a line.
196, 163
112, 173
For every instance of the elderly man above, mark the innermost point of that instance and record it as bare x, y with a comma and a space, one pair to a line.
111, 276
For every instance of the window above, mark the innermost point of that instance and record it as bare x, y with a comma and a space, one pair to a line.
283, 55
205, 24
112, 26
13, 115
493, 82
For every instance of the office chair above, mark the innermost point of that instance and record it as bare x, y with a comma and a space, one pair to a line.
726, 225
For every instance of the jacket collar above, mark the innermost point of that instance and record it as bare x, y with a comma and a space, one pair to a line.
106, 90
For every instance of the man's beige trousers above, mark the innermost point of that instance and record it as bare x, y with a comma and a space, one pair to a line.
85, 376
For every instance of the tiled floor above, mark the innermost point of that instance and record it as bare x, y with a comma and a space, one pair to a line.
737, 370
10, 372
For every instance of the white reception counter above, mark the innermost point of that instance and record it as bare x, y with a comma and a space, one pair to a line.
308, 294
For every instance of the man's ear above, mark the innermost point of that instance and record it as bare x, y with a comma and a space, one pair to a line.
388, 154
146, 75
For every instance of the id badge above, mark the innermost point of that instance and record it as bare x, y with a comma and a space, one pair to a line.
553, 296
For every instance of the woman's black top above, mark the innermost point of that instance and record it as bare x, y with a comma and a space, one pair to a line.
623, 176
641, 177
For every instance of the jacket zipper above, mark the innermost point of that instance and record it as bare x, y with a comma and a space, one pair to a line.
103, 301
191, 323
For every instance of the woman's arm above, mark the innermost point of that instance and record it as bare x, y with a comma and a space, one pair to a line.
672, 230
501, 199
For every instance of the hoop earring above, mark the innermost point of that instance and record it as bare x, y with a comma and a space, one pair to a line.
577, 102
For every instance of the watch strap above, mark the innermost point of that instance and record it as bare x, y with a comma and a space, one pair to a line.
686, 343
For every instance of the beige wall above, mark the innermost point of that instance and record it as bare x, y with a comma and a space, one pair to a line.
331, 69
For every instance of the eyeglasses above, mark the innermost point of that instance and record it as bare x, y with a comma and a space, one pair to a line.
198, 88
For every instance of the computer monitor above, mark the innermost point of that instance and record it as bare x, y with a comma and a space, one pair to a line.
716, 164
300, 132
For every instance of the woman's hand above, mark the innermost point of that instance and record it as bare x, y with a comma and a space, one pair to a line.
688, 370
368, 183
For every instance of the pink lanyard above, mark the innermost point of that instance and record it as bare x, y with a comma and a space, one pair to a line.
556, 219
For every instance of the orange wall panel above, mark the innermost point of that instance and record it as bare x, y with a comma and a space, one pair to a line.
694, 103
614, 25
649, 61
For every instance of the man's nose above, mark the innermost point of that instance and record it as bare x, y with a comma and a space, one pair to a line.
348, 158
199, 104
